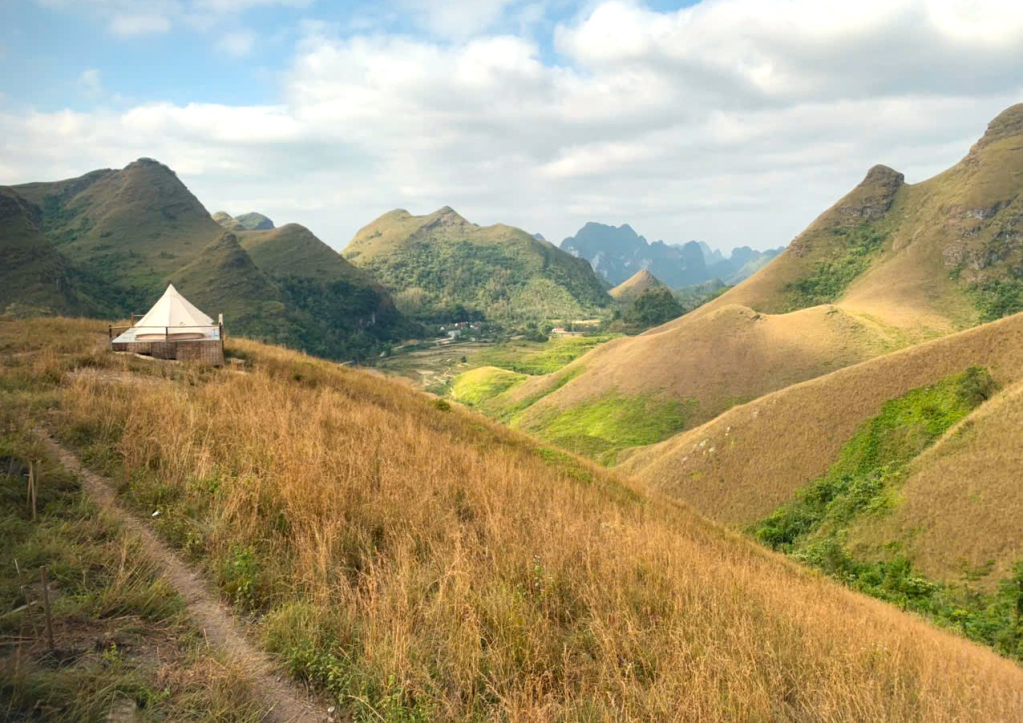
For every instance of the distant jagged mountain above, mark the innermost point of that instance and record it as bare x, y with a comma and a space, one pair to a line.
616, 253
108, 242
443, 267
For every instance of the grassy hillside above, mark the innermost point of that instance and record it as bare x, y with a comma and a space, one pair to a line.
942, 253
253, 221
635, 285
746, 462
108, 243
441, 267
333, 304
121, 633
131, 227
293, 250
725, 357
228, 221
889, 266
467, 573
864, 485
957, 511
34, 277
897, 475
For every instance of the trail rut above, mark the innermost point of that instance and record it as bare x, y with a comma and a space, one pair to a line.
289, 703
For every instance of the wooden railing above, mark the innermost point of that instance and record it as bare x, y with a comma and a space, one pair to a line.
114, 331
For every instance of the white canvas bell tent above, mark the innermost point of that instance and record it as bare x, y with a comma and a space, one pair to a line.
172, 318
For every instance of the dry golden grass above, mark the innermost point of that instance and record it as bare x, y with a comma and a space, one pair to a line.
720, 358
121, 630
961, 507
752, 459
451, 569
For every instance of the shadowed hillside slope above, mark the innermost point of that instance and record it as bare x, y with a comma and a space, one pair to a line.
888, 266
34, 277
319, 285
441, 266
131, 227
293, 250
467, 573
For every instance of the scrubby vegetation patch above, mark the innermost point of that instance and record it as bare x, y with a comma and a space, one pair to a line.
865, 480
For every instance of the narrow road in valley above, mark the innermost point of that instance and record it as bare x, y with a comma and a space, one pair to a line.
289, 702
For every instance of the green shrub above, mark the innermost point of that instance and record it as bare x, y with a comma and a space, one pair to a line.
870, 467
239, 577
831, 277
652, 308
997, 298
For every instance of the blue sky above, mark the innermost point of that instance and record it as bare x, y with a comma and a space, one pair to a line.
56, 41
731, 121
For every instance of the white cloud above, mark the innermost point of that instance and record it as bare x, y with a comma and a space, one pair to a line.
735, 121
90, 83
126, 25
126, 18
237, 43
755, 51
457, 19
237, 6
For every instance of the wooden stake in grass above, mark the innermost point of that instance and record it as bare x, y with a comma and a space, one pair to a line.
46, 607
23, 589
32, 487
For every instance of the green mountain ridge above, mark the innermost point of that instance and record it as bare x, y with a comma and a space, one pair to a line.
441, 266
108, 242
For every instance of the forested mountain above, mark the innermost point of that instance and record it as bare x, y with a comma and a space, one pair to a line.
107, 243
445, 268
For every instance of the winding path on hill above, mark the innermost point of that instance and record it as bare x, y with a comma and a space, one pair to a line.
290, 703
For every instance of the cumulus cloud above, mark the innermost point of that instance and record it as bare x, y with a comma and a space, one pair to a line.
237, 43
237, 6
733, 121
756, 51
125, 24
125, 18
457, 19
90, 83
